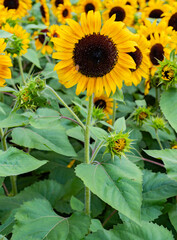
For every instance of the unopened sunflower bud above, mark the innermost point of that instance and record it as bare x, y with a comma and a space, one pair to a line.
29, 95
158, 123
118, 144
141, 114
167, 73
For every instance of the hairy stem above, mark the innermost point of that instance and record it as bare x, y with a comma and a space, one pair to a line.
114, 112
21, 69
87, 153
158, 139
100, 145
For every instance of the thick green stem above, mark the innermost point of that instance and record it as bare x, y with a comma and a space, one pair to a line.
114, 112
87, 152
66, 106
100, 145
13, 179
156, 97
21, 69
158, 140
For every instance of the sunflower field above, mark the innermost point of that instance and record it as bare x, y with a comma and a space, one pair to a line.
88, 120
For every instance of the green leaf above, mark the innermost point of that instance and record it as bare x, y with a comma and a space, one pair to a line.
32, 56
132, 231
169, 157
6, 226
7, 89
51, 139
168, 106
95, 225
157, 188
98, 133
173, 216
37, 220
120, 124
76, 204
118, 183
4, 34
118, 95
48, 71
3, 238
14, 120
45, 118
14, 162
76, 132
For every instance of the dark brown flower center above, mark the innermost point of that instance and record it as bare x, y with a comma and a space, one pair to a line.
95, 55
57, 2
100, 104
89, 7
42, 36
128, 3
156, 13
11, 4
156, 53
42, 11
120, 13
173, 21
65, 13
137, 57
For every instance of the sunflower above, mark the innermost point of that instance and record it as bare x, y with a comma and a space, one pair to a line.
123, 12
148, 29
44, 12
159, 49
105, 103
155, 9
64, 12
54, 31
170, 18
92, 57
88, 5
20, 38
41, 41
132, 3
5, 63
5, 15
140, 56
21, 7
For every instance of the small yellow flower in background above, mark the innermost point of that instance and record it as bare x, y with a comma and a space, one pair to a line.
64, 12
105, 103
174, 147
123, 12
19, 8
42, 41
20, 40
71, 164
118, 144
92, 57
84, 6
5, 63
44, 12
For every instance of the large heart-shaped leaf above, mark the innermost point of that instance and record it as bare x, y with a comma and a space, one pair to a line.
37, 220
118, 183
15, 162
52, 139
168, 106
